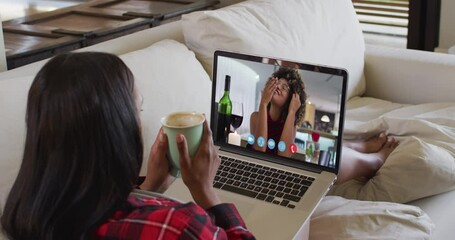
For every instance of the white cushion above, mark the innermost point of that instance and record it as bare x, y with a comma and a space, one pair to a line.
170, 78
339, 218
316, 31
422, 165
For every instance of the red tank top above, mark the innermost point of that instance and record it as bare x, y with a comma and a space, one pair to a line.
274, 130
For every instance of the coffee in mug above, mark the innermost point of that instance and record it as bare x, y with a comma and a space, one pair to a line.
189, 124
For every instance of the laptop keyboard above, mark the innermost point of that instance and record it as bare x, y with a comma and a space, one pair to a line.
261, 182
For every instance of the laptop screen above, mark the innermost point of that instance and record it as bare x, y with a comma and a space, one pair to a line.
279, 109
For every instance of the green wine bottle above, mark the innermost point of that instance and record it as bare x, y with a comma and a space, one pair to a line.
224, 112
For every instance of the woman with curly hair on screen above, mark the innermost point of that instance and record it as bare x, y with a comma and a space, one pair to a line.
282, 106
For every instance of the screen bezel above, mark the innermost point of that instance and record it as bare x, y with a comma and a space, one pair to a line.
267, 156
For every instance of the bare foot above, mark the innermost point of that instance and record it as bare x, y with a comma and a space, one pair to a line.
371, 145
386, 150
377, 159
363, 166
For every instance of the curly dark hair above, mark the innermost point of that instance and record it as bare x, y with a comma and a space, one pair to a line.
296, 85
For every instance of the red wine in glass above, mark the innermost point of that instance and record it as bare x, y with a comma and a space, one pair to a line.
236, 115
236, 121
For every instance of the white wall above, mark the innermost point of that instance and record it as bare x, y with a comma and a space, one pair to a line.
447, 27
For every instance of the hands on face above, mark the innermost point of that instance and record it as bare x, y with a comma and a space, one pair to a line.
295, 103
158, 177
269, 90
199, 172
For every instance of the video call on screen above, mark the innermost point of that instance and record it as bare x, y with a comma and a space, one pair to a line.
315, 139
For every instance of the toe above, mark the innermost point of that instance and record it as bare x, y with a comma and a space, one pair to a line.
382, 137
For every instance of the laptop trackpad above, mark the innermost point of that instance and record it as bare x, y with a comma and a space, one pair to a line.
179, 191
244, 206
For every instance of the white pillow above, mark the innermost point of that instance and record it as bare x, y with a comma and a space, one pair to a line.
170, 78
315, 31
414, 170
339, 218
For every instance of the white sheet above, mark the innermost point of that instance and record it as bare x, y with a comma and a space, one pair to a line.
422, 165
339, 218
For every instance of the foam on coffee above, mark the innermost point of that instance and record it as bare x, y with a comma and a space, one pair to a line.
183, 119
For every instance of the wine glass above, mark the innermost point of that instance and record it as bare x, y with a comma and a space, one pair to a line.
236, 115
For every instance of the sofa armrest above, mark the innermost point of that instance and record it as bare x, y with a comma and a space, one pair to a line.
409, 76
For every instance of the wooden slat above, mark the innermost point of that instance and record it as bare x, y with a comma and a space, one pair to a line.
196, 5
392, 9
380, 8
139, 6
74, 21
122, 26
393, 3
20, 45
384, 24
156, 9
382, 15
100, 12
41, 31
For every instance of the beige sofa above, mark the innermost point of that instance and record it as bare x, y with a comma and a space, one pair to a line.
396, 84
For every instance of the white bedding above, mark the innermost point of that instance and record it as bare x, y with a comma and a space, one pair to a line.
339, 218
367, 116
422, 165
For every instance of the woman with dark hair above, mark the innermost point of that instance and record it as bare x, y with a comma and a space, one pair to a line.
82, 157
282, 106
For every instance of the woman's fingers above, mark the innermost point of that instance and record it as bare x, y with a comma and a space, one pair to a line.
271, 84
295, 102
158, 165
274, 84
185, 159
207, 140
207, 137
199, 171
162, 144
269, 89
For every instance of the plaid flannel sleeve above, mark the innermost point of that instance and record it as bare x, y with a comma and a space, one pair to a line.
156, 218
228, 218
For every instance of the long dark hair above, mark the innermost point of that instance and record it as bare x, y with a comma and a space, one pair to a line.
296, 85
83, 148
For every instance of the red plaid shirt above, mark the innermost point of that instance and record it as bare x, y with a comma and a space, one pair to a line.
161, 218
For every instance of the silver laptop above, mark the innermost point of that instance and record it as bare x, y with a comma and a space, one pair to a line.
275, 190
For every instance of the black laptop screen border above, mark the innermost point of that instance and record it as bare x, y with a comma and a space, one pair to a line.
272, 157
